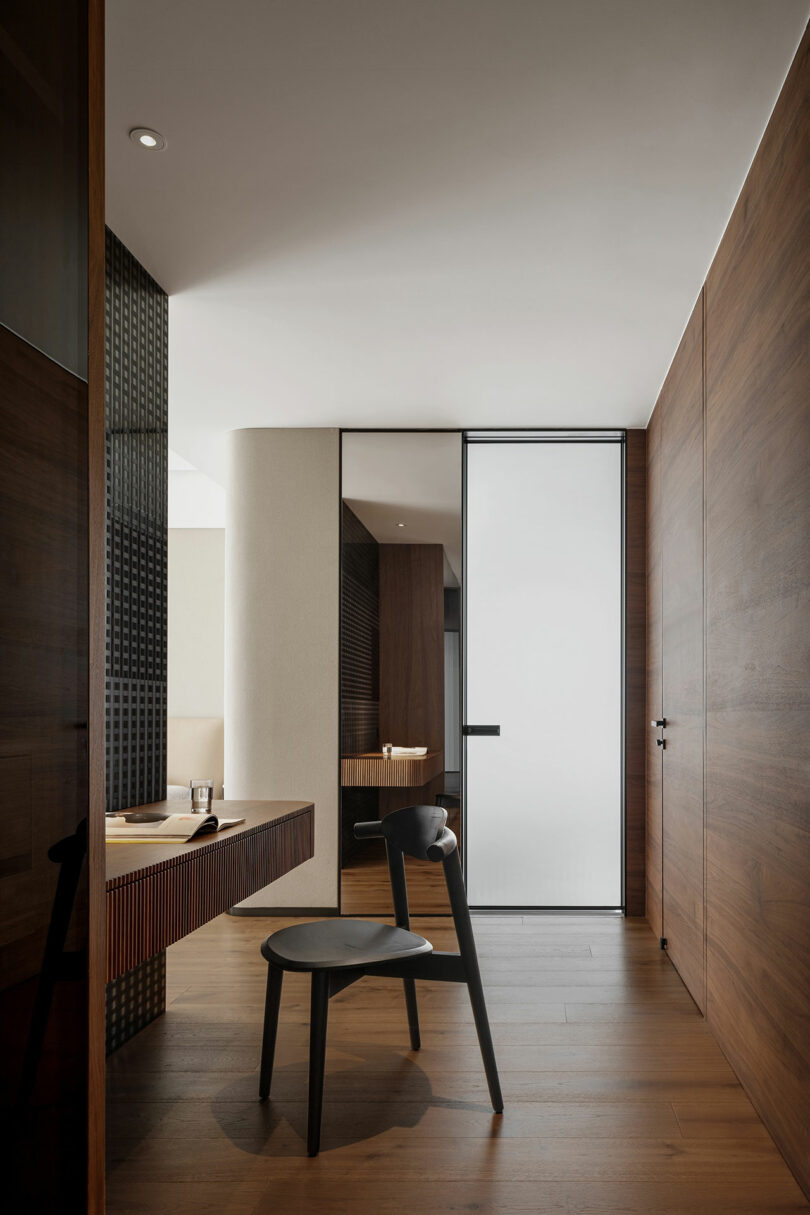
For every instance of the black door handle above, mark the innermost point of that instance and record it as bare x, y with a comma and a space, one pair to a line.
477, 731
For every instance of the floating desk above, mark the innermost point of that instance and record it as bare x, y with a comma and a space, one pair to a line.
390, 771
156, 893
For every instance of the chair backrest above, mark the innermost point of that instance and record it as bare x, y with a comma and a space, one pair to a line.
414, 829
417, 831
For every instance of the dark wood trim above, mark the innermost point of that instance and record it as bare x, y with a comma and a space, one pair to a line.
635, 659
653, 753
97, 621
681, 407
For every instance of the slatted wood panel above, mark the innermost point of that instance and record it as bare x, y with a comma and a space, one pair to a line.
618, 1099
635, 725
655, 695
359, 637
152, 904
758, 659
395, 772
681, 405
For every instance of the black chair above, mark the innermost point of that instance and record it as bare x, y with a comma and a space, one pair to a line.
339, 952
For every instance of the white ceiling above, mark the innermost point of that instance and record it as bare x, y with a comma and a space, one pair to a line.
415, 479
431, 212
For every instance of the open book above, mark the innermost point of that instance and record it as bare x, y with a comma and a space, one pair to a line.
134, 826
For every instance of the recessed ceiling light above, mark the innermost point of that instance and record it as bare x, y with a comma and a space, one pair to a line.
400, 525
148, 138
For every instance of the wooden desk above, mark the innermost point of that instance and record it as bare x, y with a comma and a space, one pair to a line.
390, 771
156, 893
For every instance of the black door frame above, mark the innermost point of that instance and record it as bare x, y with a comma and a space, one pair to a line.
549, 434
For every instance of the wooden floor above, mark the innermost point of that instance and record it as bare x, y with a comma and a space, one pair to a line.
365, 888
618, 1100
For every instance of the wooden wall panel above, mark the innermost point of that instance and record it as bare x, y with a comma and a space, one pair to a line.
43, 756
52, 594
635, 733
412, 645
654, 756
758, 624
681, 405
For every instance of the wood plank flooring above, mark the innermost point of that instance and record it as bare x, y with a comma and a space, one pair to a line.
618, 1100
365, 887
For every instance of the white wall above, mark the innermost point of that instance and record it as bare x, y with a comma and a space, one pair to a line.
281, 639
196, 627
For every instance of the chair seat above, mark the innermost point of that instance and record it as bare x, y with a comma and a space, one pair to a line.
341, 944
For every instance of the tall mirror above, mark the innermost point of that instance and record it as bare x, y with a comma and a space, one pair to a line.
401, 571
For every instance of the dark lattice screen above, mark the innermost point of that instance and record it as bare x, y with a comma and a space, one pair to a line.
136, 394
134, 999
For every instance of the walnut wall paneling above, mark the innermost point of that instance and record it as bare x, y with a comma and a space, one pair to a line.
412, 645
728, 613
681, 406
43, 749
51, 228
635, 669
412, 658
655, 695
758, 621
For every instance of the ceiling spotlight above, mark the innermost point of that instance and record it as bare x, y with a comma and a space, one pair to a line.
148, 138
400, 525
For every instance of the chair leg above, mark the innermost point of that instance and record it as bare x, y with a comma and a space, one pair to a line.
319, 1008
413, 1013
271, 1007
479, 1008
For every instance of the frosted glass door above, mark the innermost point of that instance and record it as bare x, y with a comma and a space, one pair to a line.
544, 660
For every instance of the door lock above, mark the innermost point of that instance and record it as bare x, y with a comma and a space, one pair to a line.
659, 725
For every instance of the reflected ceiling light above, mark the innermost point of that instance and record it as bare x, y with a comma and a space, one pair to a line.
400, 525
148, 138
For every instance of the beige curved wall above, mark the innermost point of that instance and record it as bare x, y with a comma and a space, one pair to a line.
281, 639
